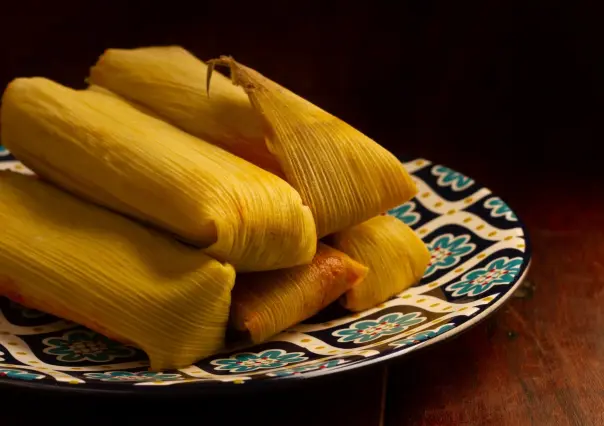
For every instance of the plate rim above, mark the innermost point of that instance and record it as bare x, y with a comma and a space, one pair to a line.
265, 385
210, 387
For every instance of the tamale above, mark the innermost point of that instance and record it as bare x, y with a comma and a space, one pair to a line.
170, 81
107, 151
70, 258
107, 92
341, 174
265, 303
395, 255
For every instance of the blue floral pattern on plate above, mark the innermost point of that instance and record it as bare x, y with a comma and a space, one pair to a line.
12, 373
479, 253
421, 336
84, 345
368, 330
448, 177
502, 271
3, 151
305, 368
126, 376
447, 250
500, 209
249, 361
406, 212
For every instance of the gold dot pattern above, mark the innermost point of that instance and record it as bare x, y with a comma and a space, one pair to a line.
410, 298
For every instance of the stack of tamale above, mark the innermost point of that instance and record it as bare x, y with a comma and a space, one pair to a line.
163, 179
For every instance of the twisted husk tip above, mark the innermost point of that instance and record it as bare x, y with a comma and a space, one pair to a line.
223, 60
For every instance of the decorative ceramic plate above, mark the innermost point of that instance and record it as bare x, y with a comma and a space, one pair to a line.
480, 254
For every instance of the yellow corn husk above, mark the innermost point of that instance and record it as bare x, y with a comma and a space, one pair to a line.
107, 92
106, 151
395, 255
341, 174
265, 303
171, 82
78, 261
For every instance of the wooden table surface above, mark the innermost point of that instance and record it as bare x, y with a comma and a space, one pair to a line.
509, 94
536, 361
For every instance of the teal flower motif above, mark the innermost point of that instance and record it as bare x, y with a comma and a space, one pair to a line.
423, 335
126, 376
501, 271
303, 369
12, 373
406, 213
447, 250
500, 209
3, 151
448, 177
248, 361
368, 330
82, 345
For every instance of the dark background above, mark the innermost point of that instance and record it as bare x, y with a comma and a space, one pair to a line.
503, 83
509, 92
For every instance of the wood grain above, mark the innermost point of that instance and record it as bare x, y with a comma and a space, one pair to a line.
539, 360
510, 93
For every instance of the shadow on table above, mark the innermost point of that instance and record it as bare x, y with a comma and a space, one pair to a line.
350, 399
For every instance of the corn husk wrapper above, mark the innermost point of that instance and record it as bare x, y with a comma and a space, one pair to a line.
341, 174
108, 152
171, 82
395, 255
78, 261
107, 92
266, 303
